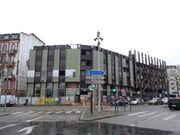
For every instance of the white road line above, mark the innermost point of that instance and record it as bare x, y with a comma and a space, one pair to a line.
27, 113
49, 112
170, 117
68, 112
58, 112
77, 112
8, 126
35, 118
158, 115
132, 114
147, 114
17, 113
35, 114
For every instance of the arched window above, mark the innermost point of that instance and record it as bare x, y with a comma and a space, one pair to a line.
12, 46
4, 48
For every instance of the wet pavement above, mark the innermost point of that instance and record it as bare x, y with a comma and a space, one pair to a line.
75, 128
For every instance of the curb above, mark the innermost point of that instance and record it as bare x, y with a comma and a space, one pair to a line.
97, 118
4, 114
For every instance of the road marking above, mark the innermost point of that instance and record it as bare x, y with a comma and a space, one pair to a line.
35, 114
8, 126
170, 117
147, 114
58, 112
29, 112
27, 129
35, 118
49, 112
17, 113
158, 115
132, 114
68, 112
77, 112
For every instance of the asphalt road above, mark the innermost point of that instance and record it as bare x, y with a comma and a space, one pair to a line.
65, 121
74, 128
152, 117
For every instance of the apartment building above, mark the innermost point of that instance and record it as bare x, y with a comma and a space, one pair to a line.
14, 52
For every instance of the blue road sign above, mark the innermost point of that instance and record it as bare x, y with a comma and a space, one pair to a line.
94, 72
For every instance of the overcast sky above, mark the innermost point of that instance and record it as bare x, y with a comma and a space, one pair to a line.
149, 26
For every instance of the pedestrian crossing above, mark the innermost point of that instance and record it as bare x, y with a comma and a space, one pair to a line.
165, 116
36, 113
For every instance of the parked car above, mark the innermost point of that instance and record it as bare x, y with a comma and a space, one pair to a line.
165, 100
137, 101
10, 100
120, 102
155, 101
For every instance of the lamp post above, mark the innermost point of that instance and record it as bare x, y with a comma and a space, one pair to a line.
98, 39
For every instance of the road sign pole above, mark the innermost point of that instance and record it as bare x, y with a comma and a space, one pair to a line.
99, 89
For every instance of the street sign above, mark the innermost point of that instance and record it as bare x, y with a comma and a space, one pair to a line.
99, 82
88, 81
95, 72
94, 77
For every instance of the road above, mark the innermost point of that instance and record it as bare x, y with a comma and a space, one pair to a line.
153, 117
65, 121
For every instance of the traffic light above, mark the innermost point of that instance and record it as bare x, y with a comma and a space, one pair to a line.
113, 90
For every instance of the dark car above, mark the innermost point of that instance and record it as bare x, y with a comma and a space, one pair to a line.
174, 103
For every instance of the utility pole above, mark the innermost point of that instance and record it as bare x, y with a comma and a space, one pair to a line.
98, 39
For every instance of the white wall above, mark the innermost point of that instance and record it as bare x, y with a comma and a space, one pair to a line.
26, 43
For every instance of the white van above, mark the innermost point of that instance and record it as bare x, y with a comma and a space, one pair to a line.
10, 100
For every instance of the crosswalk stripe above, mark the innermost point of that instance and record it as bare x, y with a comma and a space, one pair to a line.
158, 115
170, 117
29, 112
36, 114
49, 112
77, 112
17, 113
68, 112
58, 112
35, 118
132, 114
8, 126
147, 114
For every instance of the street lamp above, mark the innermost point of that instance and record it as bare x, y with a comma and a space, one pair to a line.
98, 39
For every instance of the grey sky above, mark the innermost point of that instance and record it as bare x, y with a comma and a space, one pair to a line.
152, 27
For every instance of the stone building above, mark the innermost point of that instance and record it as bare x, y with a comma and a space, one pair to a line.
14, 53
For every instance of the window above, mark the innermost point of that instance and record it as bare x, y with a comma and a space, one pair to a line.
4, 47
88, 63
37, 90
49, 90
6, 36
61, 73
83, 73
14, 36
88, 53
83, 63
49, 74
37, 74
